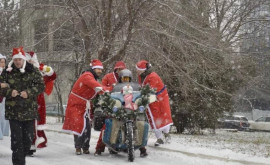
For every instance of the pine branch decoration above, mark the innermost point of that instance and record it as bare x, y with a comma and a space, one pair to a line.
145, 93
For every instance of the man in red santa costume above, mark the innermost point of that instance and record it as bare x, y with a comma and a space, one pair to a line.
112, 78
159, 112
40, 139
78, 118
109, 80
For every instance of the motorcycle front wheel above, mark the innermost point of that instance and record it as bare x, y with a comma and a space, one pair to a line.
129, 139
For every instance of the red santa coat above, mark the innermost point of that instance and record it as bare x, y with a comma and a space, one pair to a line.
48, 81
110, 79
79, 103
159, 112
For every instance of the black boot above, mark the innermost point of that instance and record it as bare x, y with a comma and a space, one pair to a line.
159, 142
86, 151
78, 151
112, 152
143, 152
98, 152
167, 137
31, 153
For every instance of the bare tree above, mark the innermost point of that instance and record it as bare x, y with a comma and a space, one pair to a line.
82, 30
195, 41
9, 27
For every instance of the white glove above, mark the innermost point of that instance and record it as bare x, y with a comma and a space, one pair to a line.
98, 89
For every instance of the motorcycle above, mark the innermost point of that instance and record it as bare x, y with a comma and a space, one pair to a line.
126, 124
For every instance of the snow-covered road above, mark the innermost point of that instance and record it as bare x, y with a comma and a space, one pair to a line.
60, 151
223, 148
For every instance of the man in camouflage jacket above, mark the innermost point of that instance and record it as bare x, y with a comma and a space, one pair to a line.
21, 83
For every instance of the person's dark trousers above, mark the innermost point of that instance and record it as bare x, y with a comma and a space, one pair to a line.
22, 134
84, 140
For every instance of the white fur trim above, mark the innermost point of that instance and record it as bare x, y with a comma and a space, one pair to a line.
78, 133
44, 68
69, 132
36, 64
140, 68
50, 73
152, 118
153, 122
39, 140
165, 127
22, 70
20, 55
9, 68
115, 77
34, 59
28, 56
2, 56
41, 127
97, 67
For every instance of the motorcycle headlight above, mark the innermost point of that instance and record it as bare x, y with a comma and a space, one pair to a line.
118, 104
141, 108
115, 109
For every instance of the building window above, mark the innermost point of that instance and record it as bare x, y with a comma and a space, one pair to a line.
63, 38
41, 35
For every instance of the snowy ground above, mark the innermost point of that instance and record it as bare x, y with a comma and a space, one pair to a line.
224, 148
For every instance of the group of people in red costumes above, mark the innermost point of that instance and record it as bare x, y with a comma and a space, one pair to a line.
79, 111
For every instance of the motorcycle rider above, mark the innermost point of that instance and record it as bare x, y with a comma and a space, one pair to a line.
125, 76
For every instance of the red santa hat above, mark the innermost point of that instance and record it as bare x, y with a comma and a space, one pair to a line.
119, 65
17, 53
142, 65
33, 57
96, 64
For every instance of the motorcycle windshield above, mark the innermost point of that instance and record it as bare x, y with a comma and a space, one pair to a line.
118, 87
118, 96
116, 93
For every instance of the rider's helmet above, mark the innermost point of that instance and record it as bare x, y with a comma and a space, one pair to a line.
125, 75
